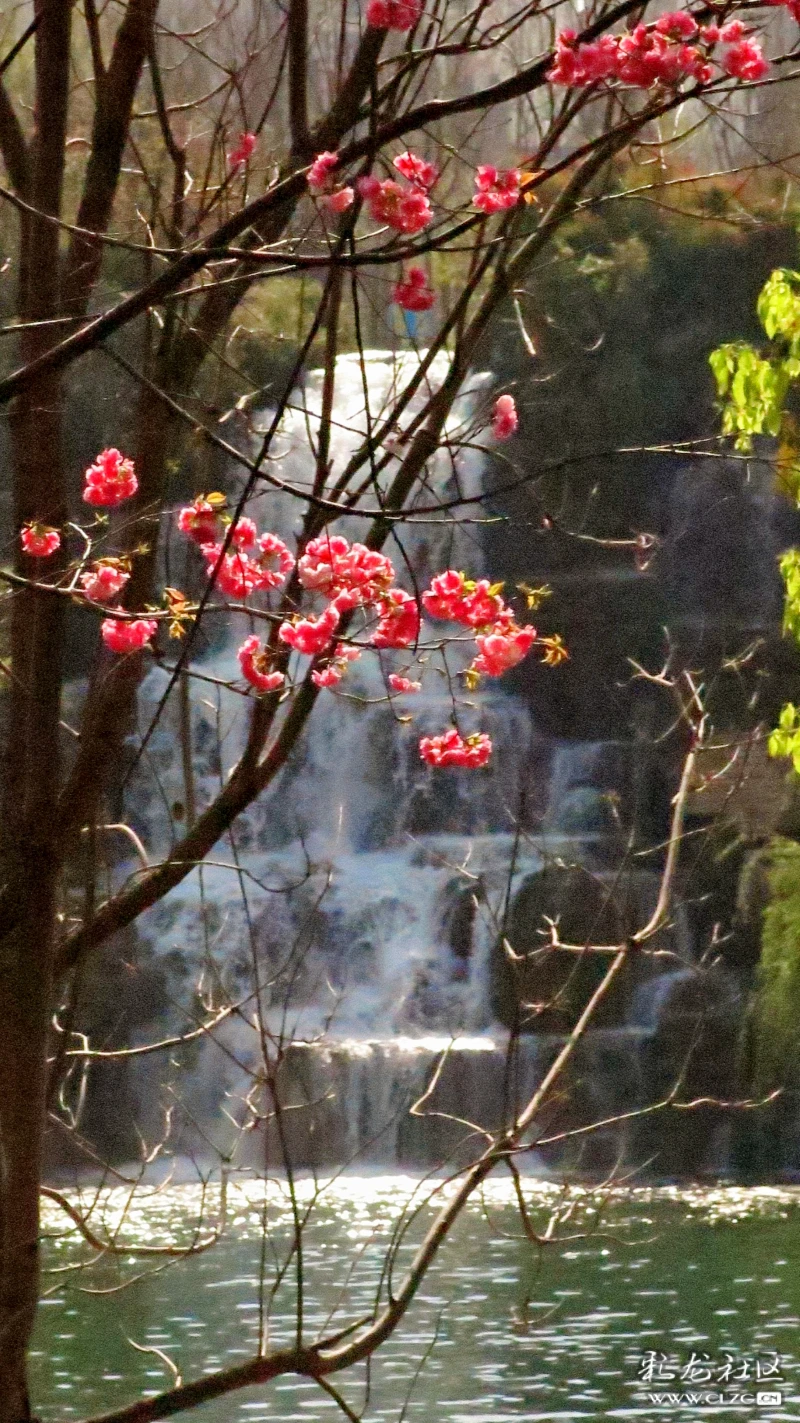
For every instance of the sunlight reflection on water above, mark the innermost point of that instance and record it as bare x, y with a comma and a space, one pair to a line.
520, 1334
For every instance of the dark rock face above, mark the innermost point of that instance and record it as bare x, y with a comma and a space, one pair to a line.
692, 1053
540, 989
427, 1103
719, 558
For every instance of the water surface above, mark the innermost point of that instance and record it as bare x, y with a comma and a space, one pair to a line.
501, 1330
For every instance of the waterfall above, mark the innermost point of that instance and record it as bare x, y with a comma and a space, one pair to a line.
375, 894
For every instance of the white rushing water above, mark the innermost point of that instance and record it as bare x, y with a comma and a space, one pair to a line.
371, 892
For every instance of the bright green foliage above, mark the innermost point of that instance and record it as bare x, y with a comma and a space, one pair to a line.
778, 306
785, 739
752, 389
776, 1022
789, 565
753, 386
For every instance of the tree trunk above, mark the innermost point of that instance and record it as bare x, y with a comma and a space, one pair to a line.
29, 848
29, 858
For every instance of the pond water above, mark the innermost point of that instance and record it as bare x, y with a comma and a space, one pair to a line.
501, 1330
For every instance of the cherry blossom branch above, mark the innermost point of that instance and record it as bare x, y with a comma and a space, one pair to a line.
282, 195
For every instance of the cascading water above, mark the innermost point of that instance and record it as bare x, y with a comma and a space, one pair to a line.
375, 895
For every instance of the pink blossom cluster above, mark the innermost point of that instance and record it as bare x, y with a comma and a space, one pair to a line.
503, 647
412, 292
252, 561
417, 170
398, 625
122, 636
243, 151
452, 749
266, 563
110, 480
104, 580
745, 60
455, 599
39, 540
504, 417
658, 54
256, 664
501, 642
349, 576
496, 189
406, 209
311, 636
322, 184
393, 14
202, 521
331, 565
332, 674
403, 685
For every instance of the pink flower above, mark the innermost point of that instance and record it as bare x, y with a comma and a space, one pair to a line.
647, 57
393, 14
403, 685
413, 292
640, 58
730, 33
132, 636
39, 540
243, 151
581, 64
451, 749
266, 565
734, 30
504, 417
399, 620
323, 562
332, 675
481, 605
236, 576
322, 185
418, 171
329, 676
496, 190
201, 521
678, 25
454, 598
339, 200
744, 60
331, 565
445, 596
254, 661
405, 209
244, 535
318, 176
110, 480
104, 580
502, 647
311, 635
347, 600
274, 561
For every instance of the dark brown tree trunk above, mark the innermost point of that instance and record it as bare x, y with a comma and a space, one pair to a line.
29, 851
29, 858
